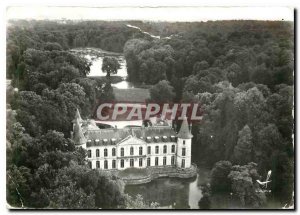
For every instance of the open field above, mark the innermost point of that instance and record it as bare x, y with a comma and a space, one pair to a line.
131, 95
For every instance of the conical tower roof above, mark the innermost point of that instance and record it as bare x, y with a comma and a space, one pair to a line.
77, 116
79, 138
184, 132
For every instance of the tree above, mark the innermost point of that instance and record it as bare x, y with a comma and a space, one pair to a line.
139, 203
244, 186
18, 186
243, 149
205, 201
219, 181
162, 92
110, 65
71, 197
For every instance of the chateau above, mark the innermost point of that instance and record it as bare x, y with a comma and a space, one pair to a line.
138, 147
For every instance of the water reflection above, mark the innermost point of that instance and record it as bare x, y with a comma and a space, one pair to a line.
169, 192
123, 85
95, 69
195, 194
165, 191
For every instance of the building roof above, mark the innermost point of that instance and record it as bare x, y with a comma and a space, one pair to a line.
79, 138
113, 136
184, 132
77, 116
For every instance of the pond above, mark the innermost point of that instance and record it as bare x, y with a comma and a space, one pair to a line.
95, 56
172, 192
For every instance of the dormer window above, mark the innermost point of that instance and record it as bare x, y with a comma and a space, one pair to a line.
165, 138
173, 138
156, 138
113, 140
89, 142
148, 139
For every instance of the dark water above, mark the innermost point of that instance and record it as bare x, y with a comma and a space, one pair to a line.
172, 192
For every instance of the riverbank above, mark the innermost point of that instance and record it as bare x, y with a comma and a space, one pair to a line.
134, 176
95, 52
113, 79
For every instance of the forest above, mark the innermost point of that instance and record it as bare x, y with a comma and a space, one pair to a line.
240, 72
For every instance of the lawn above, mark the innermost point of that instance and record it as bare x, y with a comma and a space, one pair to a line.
131, 95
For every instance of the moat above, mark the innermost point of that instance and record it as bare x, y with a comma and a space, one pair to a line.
172, 192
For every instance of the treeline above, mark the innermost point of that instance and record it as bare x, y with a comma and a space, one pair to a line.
241, 72
44, 169
22, 34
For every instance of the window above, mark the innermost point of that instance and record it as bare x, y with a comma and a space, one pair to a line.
183, 163
97, 164
172, 160
183, 151
122, 153
173, 148
156, 149
89, 153
156, 161
122, 163
90, 164
184, 142
149, 150
131, 163
131, 151
141, 162
114, 164
165, 161
97, 153
105, 164
113, 152
165, 149
140, 150
148, 162
105, 152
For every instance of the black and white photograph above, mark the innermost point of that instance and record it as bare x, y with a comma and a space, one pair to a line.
149, 108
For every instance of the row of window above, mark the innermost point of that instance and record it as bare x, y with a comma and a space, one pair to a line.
113, 153
165, 147
131, 162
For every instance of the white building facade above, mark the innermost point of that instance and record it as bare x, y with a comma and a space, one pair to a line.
137, 147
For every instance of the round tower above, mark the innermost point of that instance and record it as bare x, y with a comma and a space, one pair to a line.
184, 145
